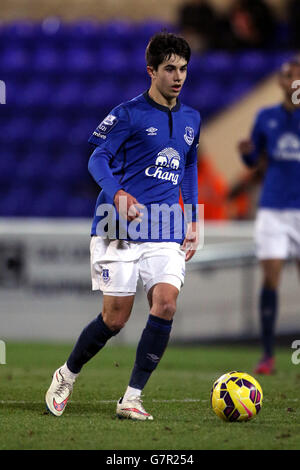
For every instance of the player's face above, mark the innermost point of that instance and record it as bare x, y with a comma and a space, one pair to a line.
288, 75
169, 77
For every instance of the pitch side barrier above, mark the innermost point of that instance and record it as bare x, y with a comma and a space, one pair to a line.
224, 245
45, 281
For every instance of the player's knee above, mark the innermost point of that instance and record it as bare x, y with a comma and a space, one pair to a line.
114, 324
165, 309
270, 282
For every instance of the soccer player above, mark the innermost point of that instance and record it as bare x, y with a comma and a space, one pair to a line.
276, 134
146, 151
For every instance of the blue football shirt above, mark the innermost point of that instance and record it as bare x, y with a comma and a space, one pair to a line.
149, 151
277, 132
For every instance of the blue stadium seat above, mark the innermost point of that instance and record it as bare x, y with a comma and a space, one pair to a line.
34, 167
80, 207
102, 93
70, 167
62, 80
49, 130
253, 64
15, 58
48, 59
78, 60
17, 201
16, 129
8, 166
33, 93
111, 60
51, 202
69, 93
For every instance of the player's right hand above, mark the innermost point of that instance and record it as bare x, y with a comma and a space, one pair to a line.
245, 147
128, 206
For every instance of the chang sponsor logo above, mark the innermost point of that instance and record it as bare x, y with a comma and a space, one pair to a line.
288, 147
166, 161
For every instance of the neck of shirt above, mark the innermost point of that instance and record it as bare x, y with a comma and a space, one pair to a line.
161, 107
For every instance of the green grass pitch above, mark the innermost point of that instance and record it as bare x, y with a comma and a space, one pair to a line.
177, 395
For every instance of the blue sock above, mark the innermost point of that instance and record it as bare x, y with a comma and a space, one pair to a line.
150, 350
268, 313
92, 339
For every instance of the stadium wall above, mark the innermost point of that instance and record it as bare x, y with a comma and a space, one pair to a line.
220, 137
135, 10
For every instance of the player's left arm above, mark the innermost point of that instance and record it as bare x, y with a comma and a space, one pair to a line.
189, 190
251, 149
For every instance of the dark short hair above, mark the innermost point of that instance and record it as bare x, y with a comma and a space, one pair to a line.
163, 45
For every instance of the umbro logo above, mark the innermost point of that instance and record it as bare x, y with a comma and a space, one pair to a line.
153, 357
151, 131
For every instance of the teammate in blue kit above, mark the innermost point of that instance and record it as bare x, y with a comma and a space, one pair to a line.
146, 151
276, 133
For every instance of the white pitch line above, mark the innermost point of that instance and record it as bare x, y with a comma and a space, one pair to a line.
107, 402
103, 402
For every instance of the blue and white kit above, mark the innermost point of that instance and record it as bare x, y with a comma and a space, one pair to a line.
149, 151
277, 132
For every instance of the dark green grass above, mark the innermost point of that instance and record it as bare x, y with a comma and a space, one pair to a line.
184, 373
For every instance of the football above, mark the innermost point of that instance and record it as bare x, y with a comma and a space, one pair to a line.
236, 396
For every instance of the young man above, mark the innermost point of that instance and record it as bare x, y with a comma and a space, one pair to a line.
146, 150
276, 133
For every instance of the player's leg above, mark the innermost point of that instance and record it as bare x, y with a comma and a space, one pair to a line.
153, 342
163, 276
115, 313
272, 248
117, 281
268, 310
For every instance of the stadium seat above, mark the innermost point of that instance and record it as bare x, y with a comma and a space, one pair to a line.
17, 201
102, 94
68, 93
15, 58
47, 59
63, 79
78, 60
8, 166
33, 93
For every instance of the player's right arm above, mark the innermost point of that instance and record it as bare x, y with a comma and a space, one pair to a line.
251, 149
108, 137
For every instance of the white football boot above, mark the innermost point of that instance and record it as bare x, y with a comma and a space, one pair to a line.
132, 408
59, 392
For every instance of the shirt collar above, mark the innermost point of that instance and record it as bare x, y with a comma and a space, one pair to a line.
160, 106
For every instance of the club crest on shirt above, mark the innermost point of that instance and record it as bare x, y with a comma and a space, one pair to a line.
106, 126
189, 135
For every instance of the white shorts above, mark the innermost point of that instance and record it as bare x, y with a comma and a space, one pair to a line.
117, 264
277, 234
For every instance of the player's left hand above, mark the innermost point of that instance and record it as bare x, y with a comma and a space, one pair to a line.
191, 241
